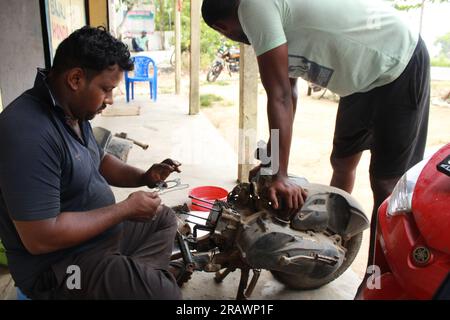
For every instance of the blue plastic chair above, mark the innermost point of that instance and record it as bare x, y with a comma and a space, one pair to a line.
141, 73
21, 295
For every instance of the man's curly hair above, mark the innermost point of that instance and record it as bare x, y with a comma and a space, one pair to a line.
93, 49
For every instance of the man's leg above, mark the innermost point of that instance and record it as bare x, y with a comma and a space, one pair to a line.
344, 171
400, 131
151, 242
352, 135
130, 265
381, 189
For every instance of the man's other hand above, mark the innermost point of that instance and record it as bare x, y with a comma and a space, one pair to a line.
286, 195
143, 206
159, 172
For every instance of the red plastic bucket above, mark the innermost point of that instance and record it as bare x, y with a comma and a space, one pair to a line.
207, 193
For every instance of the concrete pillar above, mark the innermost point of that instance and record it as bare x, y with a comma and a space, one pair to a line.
194, 92
177, 20
248, 111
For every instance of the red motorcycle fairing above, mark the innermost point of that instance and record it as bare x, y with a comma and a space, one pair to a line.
413, 250
434, 197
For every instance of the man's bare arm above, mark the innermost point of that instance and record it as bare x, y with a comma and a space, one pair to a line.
69, 229
119, 174
273, 68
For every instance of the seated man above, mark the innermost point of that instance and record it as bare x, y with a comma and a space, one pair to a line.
140, 43
58, 215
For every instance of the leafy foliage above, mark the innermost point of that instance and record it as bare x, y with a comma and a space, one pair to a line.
443, 59
413, 4
210, 40
444, 43
207, 100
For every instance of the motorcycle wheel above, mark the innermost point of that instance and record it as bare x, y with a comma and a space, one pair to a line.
306, 283
214, 73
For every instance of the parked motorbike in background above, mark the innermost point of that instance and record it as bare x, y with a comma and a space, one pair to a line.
412, 249
226, 56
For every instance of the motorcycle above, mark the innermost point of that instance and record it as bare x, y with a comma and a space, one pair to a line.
226, 56
412, 249
305, 250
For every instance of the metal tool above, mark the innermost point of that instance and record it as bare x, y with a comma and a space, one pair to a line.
124, 135
170, 185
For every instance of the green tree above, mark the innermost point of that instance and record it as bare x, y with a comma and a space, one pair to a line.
443, 58
210, 40
444, 43
129, 5
415, 4
164, 15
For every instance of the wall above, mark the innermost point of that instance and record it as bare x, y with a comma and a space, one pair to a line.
21, 48
64, 17
98, 13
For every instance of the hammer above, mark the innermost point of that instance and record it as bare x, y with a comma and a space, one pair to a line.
124, 135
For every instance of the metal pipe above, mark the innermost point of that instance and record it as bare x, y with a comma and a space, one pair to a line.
253, 281
204, 207
201, 200
191, 215
185, 251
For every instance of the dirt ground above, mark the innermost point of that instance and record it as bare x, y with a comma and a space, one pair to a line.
313, 133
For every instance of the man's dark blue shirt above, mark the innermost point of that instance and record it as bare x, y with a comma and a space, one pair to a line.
45, 169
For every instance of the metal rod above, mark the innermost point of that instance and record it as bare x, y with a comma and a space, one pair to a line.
189, 221
188, 214
191, 215
253, 281
222, 275
242, 285
199, 205
185, 251
201, 200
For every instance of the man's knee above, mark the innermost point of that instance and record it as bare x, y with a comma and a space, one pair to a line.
127, 278
336, 163
345, 165
382, 187
169, 288
167, 216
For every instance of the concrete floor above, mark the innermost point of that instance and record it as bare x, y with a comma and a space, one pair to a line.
206, 160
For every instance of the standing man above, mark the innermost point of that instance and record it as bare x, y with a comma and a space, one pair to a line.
140, 43
359, 49
65, 235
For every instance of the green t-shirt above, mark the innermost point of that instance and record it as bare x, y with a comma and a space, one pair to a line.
347, 46
142, 42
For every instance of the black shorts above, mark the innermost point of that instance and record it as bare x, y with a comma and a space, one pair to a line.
391, 121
